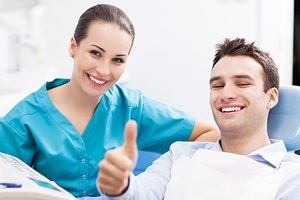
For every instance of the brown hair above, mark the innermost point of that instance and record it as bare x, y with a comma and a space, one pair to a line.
239, 47
105, 13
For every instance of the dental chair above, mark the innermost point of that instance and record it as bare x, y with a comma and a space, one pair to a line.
145, 159
283, 123
284, 118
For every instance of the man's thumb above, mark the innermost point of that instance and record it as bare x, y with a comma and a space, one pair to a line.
130, 135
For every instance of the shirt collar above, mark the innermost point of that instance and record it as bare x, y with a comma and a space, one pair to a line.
217, 146
273, 153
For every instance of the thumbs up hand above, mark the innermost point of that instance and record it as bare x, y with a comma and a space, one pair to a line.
115, 168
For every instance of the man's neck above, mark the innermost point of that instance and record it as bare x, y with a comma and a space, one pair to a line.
243, 146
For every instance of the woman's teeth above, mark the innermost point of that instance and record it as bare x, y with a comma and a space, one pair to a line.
96, 80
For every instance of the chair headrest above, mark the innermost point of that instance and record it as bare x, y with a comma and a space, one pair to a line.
284, 118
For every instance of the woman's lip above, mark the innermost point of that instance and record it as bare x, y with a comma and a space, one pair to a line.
97, 80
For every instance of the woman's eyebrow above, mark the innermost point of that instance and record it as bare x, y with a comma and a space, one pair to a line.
101, 49
98, 47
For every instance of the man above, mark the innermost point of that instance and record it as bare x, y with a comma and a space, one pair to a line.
243, 164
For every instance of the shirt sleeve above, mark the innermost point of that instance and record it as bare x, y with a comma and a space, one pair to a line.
161, 125
143, 187
152, 183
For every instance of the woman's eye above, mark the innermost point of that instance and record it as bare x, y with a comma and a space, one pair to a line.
118, 60
96, 53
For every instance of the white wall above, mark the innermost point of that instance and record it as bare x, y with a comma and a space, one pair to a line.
174, 47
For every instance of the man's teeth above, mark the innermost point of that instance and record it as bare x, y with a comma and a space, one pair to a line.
231, 109
97, 81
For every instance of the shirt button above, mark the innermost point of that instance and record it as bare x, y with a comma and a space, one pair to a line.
84, 193
83, 176
83, 161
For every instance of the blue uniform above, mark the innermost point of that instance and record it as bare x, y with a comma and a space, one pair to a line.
37, 133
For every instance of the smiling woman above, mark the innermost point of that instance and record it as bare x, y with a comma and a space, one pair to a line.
74, 121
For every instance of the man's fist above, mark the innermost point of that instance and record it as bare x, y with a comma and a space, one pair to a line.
115, 168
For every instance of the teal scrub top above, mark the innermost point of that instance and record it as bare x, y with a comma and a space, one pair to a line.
37, 133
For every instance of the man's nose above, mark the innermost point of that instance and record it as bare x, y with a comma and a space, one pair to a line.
228, 93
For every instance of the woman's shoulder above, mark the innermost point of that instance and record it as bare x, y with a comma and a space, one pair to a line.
28, 105
118, 94
122, 90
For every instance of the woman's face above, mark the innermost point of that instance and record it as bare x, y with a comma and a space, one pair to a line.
100, 58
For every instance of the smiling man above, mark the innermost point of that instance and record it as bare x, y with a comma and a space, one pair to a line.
243, 88
243, 164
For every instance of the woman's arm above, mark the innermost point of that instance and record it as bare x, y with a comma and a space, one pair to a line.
205, 131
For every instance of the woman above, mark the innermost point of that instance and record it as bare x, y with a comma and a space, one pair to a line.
64, 129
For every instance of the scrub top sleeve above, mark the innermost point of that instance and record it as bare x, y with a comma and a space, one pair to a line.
13, 143
161, 125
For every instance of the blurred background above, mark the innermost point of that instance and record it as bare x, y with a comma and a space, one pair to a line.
173, 51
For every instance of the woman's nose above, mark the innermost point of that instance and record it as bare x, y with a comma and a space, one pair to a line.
103, 68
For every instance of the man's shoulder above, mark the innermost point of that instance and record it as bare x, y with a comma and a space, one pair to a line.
189, 148
291, 164
291, 157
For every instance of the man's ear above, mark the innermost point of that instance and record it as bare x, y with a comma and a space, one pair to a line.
273, 96
72, 47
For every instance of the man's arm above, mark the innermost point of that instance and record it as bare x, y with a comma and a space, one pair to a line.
114, 181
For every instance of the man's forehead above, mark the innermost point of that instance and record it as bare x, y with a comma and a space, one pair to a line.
237, 67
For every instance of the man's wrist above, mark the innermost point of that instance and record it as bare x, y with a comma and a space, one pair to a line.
117, 195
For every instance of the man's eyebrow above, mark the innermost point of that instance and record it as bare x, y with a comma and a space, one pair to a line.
101, 49
214, 79
244, 76
241, 76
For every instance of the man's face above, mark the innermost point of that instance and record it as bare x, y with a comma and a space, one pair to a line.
237, 99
